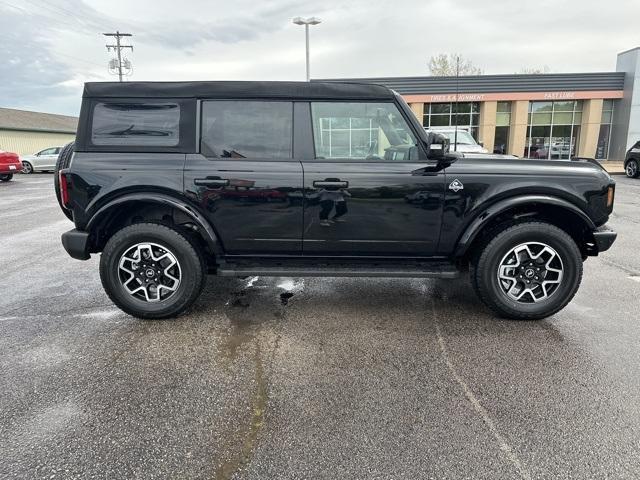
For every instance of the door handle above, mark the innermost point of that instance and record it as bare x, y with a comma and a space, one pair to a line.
325, 183
211, 182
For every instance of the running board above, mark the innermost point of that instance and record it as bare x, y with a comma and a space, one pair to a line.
418, 270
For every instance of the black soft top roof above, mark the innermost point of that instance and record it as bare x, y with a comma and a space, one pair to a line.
235, 89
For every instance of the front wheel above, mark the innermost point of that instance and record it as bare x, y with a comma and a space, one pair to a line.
632, 169
6, 177
152, 271
528, 271
27, 167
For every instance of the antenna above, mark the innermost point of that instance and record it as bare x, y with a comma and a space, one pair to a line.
455, 132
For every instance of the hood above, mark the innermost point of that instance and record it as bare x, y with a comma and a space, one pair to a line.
530, 166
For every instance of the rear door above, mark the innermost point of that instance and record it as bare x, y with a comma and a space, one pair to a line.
246, 178
369, 188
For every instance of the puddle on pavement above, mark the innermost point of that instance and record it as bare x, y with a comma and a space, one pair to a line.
284, 297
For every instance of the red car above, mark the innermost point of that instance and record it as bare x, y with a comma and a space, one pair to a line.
9, 164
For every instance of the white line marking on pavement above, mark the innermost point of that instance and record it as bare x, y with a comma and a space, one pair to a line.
635, 278
480, 410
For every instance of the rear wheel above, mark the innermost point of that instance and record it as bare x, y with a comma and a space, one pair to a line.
152, 271
528, 271
632, 169
6, 177
27, 167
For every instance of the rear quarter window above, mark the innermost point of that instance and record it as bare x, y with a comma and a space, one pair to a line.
148, 124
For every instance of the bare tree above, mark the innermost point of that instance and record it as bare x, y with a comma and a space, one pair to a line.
446, 65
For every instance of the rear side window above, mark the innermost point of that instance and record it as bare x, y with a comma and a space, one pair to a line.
247, 129
149, 124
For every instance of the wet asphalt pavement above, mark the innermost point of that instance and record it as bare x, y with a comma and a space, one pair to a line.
310, 378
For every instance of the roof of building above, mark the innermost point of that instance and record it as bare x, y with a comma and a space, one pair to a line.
598, 81
237, 89
11, 119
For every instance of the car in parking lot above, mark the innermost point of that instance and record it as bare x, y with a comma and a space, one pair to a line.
460, 139
632, 161
43, 161
146, 179
9, 165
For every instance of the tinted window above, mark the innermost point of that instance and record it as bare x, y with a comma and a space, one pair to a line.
136, 124
247, 129
48, 151
374, 131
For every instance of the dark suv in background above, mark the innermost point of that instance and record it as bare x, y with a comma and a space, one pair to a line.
632, 161
174, 181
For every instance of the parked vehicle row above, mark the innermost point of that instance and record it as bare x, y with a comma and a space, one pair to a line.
43, 161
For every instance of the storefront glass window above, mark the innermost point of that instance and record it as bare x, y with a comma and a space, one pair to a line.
604, 136
463, 114
554, 129
503, 120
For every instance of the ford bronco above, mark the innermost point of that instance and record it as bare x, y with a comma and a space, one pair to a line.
173, 181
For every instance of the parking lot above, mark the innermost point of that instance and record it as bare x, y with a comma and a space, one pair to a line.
310, 378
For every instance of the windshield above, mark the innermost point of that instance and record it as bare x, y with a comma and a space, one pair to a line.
464, 137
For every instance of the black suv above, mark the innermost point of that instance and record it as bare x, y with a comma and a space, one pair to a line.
174, 181
632, 161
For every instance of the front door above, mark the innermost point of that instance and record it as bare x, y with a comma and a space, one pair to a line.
245, 177
370, 189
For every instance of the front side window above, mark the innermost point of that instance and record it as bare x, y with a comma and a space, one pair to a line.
359, 130
48, 151
247, 129
154, 124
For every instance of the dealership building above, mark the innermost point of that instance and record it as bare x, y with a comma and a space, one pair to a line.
538, 116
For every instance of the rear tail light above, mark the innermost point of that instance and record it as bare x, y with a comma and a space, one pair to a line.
65, 186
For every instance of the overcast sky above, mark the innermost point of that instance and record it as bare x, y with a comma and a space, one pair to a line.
50, 47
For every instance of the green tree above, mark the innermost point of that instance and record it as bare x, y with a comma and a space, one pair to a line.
448, 64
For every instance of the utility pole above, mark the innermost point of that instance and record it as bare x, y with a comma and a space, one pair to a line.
118, 49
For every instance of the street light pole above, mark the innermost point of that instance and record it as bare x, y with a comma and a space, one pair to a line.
306, 22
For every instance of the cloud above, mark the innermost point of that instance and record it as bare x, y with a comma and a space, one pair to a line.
50, 47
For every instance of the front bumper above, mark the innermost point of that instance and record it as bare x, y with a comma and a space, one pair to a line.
604, 238
76, 243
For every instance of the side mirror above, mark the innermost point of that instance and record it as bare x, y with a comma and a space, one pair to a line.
481, 144
437, 145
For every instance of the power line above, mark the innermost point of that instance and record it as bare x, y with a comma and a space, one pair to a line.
122, 64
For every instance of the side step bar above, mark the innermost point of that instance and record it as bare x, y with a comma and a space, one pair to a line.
448, 271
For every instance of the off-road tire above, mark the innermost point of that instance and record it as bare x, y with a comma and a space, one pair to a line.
632, 168
192, 265
64, 157
484, 268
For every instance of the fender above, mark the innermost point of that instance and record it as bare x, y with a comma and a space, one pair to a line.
210, 235
492, 211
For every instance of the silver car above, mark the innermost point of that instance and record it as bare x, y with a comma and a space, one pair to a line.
44, 160
466, 142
